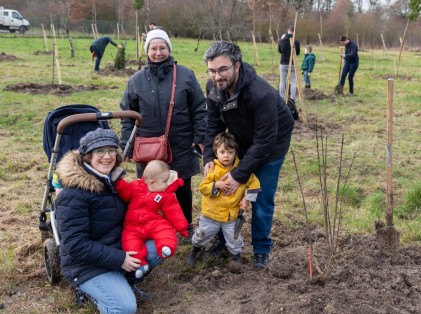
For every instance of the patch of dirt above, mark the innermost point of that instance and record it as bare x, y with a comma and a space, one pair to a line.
42, 52
271, 78
53, 89
308, 131
5, 57
401, 77
110, 71
314, 94
364, 279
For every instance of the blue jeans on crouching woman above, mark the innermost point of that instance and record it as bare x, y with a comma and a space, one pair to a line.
263, 208
111, 292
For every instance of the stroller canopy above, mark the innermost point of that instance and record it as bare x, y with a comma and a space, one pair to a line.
73, 133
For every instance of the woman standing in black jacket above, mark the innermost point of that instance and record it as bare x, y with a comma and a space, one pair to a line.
148, 92
90, 218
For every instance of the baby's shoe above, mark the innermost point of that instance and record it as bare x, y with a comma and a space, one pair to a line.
166, 251
141, 271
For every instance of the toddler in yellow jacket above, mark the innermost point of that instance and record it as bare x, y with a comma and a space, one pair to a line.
218, 210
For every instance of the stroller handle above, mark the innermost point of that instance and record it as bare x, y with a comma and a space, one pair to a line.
84, 117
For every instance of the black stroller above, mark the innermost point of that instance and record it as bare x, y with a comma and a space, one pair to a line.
68, 124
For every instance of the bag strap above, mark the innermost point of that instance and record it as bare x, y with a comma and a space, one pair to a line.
167, 126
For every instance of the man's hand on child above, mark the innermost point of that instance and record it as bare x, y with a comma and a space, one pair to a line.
209, 167
221, 185
232, 184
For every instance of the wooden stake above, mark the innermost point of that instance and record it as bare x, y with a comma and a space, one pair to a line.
45, 38
142, 39
93, 31
256, 55
400, 51
118, 33
96, 31
384, 46
389, 171
56, 54
300, 90
321, 47
387, 235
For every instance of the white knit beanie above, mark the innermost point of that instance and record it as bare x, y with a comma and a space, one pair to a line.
157, 34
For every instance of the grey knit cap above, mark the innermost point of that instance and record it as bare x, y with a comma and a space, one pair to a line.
98, 138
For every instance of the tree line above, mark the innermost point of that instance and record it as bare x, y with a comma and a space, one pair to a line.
370, 22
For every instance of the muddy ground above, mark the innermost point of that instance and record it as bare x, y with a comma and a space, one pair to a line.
364, 279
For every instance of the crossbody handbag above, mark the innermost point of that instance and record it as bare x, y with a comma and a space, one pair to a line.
156, 148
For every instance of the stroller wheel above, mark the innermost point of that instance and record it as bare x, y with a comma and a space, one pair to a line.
52, 261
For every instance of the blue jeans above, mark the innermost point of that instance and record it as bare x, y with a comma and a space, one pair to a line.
306, 78
111, 292
349, 69
98, 57
263, 208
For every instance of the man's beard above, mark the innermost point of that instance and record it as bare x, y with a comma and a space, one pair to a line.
226, 84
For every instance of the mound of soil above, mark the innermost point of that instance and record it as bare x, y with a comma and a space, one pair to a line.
364, 278
110, 71
314, 94
54, 89
5, 57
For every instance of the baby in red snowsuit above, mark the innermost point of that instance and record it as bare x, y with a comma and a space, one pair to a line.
153, 212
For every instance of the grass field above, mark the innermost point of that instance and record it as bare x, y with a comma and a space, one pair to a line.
361, 119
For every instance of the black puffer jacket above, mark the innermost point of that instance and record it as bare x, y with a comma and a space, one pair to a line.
90, 217
351, 52
258, 118
148, 92
284, 48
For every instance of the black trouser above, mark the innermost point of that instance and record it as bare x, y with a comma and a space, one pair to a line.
350, 69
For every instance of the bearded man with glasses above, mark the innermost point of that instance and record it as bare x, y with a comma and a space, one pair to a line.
253, 111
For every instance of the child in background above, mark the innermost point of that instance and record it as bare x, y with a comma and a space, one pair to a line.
220, 211
308, 65
153, 213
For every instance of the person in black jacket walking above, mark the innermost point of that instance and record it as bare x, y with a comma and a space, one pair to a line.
253, 111
98, 48
90, 218
284, 48
351, 64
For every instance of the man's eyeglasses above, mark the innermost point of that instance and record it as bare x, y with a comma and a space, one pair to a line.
222, 71
102, 151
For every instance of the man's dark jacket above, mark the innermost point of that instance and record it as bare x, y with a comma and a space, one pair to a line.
258, 118
101, 43
284, 48
351, 52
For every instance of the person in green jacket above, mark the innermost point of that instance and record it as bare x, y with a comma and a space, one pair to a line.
98, 48
220, 211
308, 65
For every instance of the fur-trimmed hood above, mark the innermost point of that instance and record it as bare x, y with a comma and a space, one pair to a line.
74, 174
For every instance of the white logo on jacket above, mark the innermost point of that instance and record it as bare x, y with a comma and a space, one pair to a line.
157, 198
